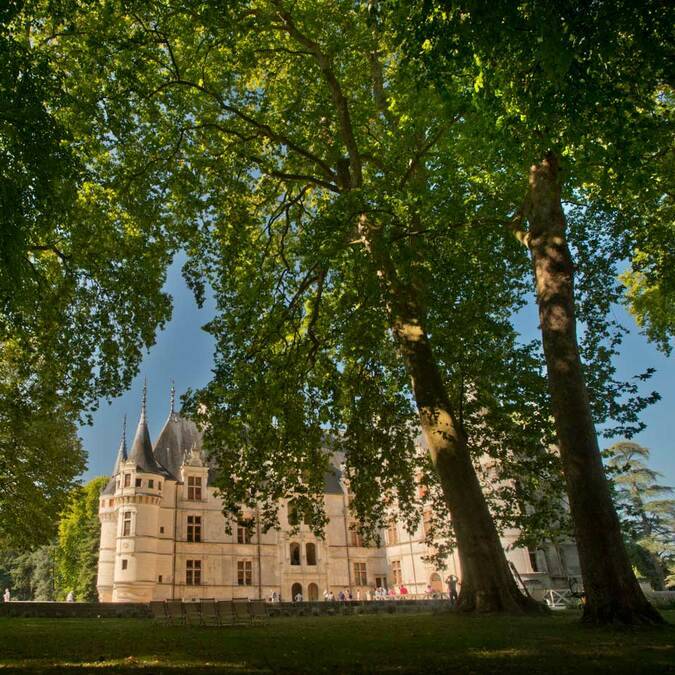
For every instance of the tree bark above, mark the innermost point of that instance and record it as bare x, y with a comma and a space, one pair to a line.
612, 592
487, 582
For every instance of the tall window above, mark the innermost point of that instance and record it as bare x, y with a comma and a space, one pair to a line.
310, 551
360, 577
193, 572
392, 533
195, 488
139, 482
426, 522
534, 561
127, 479
295, 554
194, 528
356, 539
244, 572
396, 572
126, 524
244, 533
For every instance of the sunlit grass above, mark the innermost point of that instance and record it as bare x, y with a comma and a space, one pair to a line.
341, 644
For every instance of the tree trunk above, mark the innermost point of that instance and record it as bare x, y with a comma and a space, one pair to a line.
487, 583
612, 592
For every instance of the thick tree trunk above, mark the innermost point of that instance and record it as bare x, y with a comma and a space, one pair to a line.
612, 592
487, 582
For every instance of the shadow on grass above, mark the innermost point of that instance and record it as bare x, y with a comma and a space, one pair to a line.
377, 644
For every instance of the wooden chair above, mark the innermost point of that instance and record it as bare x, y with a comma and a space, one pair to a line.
210, 612
159, 613
258, 610
226, 613
193, 613
174, 611
241, 613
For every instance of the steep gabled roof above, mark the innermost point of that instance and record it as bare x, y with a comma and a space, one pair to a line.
178, 436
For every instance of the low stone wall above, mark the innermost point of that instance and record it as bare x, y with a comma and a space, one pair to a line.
76, 610
139, 610
355, 607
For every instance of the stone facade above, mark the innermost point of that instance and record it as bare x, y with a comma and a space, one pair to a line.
163, 536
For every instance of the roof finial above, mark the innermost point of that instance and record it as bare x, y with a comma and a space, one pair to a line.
145, 398
124, 436
173, 398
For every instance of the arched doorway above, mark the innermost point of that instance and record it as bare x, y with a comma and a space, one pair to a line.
296, 589
312, 592
310, 554
436, 583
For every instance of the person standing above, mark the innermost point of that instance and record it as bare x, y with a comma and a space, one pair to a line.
452, 582
70, 597
6, 597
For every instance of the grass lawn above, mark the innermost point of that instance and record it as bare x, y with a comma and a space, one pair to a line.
422, 643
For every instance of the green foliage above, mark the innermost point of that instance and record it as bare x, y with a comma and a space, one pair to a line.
646, 510
80, 279
258, 137
40, 456
29, 574
592, 84
78, 543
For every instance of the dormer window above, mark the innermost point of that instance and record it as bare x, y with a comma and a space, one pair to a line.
151, 483
127, 479
195, 488
139, 482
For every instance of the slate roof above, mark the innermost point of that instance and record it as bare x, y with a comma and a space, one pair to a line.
332, 482
176, 439
109, 489
141, 450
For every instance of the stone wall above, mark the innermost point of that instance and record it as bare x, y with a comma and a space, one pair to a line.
127, 610
355, 607
76, 610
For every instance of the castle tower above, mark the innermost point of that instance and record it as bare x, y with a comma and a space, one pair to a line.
138, 493
108, 516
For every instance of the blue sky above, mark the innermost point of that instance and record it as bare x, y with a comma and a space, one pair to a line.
183, 352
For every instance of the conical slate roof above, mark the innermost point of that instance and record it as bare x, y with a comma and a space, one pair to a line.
122, 450
121, 457
141, 450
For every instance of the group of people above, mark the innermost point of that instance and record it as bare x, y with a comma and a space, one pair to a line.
380, 593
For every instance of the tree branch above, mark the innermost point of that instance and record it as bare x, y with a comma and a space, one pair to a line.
415, 161
263, 128
339, 100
